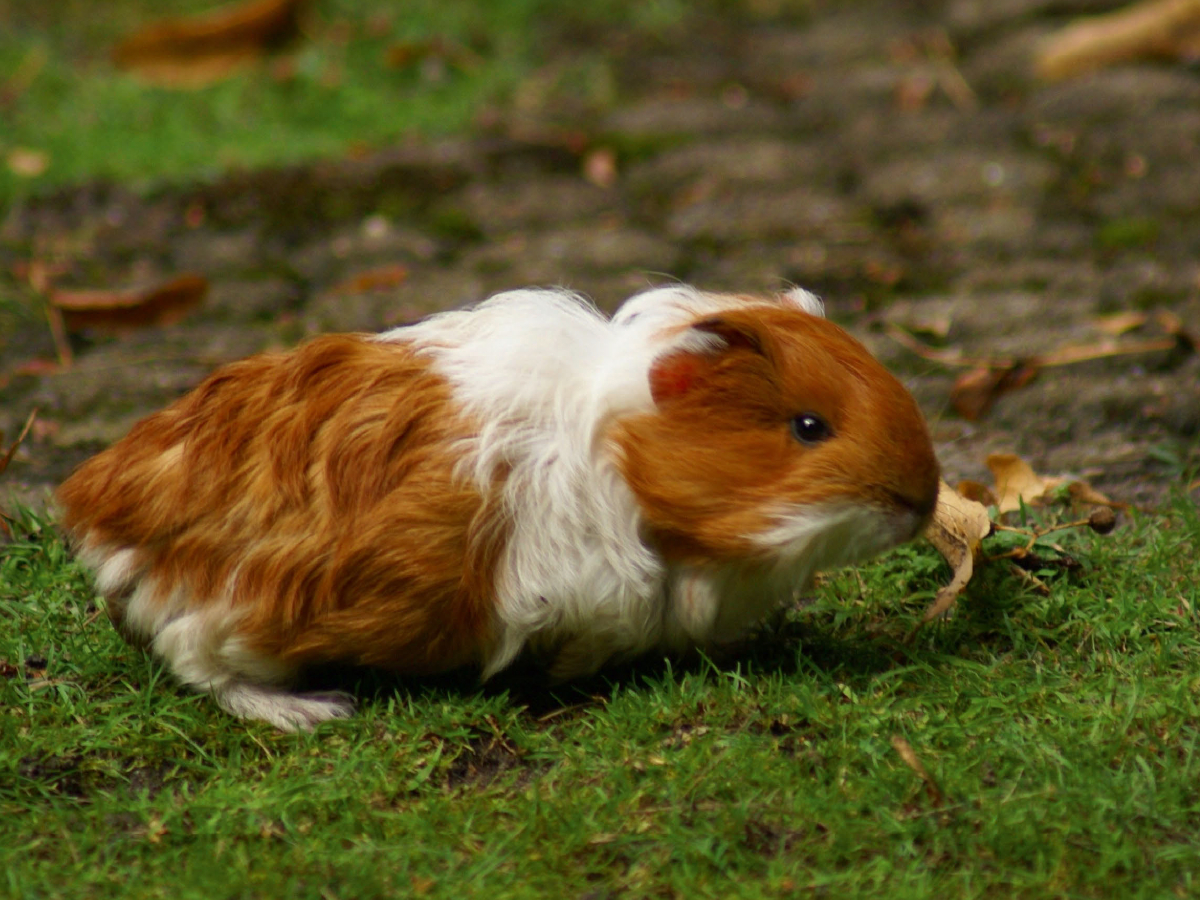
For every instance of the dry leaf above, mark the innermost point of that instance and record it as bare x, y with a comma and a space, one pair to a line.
975, 392
121, 311
1016, 482
1154, 28
973, 490
1103, 349
957, 530
904, 748
600, 167
8, 454
198, 50
408, 53
1186, 339
935, 326
38, 367
27, 163
1118, 324
378, 279
1082, 492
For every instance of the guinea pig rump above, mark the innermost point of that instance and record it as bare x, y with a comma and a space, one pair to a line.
294, 508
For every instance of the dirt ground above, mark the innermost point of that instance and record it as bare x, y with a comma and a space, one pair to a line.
846, 153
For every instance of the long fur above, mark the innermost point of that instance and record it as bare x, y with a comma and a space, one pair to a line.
526, 474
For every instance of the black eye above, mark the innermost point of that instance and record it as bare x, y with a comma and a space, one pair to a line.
810, 429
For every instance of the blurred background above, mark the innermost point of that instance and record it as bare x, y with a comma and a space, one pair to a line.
1010, 222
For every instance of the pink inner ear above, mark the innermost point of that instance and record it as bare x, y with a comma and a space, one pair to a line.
673, 376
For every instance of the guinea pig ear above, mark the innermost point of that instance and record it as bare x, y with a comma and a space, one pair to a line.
676, 372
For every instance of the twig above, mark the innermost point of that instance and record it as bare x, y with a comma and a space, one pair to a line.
1064, 356
907, 754
11, 451
1153, 28
58, 331
1032, 580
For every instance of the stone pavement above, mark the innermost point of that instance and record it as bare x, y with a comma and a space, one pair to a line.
847, 153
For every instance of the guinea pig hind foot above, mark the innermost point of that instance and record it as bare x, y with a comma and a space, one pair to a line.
286, 710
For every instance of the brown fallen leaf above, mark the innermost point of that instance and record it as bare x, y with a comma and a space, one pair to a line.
1186, 340
1153, 28
932, 61
1082, 492
1103, 349
193, 51
1118, 324
600, 167
957, 531
407, 53
975, 392
378, 279
38, 366
973, 490
1016, 482
122, 311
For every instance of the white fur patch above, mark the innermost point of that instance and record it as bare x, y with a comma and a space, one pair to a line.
546, 374
805, 300
833, 535
285, 710
116, 570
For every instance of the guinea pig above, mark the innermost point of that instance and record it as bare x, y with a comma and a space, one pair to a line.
526, 475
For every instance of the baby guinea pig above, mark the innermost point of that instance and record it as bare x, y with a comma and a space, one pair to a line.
522, 475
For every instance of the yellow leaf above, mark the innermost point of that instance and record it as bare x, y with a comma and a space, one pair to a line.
1016, 482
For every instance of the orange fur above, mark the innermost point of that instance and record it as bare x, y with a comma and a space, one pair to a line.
707, 466
304, 480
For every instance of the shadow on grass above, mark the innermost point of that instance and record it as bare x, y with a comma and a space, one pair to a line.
789, 648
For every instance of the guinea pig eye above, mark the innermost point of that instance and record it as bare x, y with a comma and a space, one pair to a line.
810, 429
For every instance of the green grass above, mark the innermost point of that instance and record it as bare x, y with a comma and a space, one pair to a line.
61, 95
1063, 731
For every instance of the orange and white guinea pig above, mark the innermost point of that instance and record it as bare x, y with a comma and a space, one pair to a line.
526, 474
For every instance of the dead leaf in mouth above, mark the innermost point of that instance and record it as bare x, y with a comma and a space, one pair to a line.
957, 531
122, 311
194, 51
961, 521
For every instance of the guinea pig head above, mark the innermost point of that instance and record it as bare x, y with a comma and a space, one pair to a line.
775, 438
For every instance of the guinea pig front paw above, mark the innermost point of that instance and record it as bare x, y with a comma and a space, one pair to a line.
286, 710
